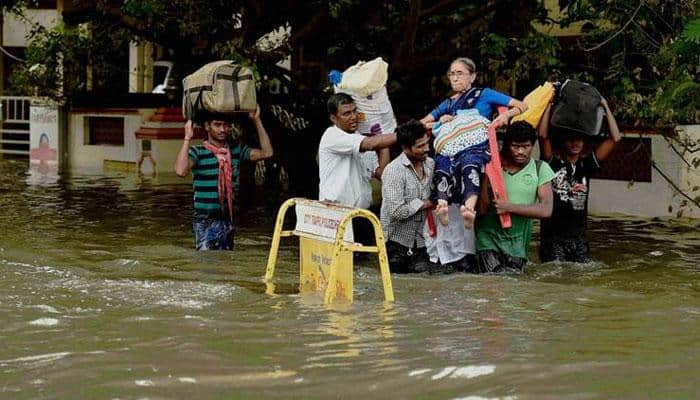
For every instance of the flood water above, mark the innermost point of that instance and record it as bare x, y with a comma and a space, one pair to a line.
103, 297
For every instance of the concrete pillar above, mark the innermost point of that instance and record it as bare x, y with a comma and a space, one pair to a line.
135, 70
147, 67
140, 67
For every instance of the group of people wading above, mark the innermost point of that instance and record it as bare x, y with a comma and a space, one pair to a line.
417, 190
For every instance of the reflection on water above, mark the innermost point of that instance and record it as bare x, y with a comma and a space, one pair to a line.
102, 296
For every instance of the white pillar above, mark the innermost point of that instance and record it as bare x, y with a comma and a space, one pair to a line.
147, 66
135, 69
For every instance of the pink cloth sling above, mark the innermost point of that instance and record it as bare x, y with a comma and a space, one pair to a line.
225, 184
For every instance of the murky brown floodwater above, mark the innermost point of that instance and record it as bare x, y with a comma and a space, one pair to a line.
102, 296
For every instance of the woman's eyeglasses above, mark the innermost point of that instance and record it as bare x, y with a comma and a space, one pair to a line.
458, 74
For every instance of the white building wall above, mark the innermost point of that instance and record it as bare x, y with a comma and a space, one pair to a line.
15, 31
689, 135
83, 157
656, 198
86, 157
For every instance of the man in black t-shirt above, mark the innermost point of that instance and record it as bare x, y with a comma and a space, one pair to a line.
563, 236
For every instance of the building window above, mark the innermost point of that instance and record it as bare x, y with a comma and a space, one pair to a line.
105, 131
630, 161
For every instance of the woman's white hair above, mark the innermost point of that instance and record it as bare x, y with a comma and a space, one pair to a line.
468, 62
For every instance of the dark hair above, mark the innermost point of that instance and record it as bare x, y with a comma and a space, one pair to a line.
409, 132
560, 135
239, 123
337, 100
519, 131
203, 116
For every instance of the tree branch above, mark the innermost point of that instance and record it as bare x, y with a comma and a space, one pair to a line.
128, 22
437, 7
319, 18
668, 179
678, 153
256, 7
409, 33
618, 32
673, 185
648, 36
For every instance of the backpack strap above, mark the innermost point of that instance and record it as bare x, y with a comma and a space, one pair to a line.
538, 164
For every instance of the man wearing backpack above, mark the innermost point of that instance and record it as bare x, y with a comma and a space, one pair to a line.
563, 236
215, 172
529, 193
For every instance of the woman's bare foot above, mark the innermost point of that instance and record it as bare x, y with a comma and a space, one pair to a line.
469, 216
441, 210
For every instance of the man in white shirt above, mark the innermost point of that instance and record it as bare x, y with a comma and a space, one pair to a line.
340, 168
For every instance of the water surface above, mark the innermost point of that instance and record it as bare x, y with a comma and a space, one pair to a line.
102, 296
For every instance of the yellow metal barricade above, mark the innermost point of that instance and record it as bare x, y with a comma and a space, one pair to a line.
326, 249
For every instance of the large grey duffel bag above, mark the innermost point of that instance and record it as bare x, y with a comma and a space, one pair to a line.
220, 87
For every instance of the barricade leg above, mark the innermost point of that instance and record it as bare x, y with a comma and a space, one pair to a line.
383, 261
337, 249
380, 249
274, 247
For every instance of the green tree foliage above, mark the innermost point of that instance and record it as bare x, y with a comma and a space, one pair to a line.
642, 54
646, 54
44, 62
58, 61
418, 38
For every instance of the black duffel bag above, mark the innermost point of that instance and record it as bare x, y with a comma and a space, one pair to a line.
578, 109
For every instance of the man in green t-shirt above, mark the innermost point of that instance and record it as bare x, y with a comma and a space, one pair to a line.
529, 192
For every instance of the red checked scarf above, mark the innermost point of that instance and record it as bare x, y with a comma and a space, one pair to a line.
223, 156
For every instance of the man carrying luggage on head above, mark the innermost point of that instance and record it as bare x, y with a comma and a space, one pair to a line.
563, 236
215, 172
